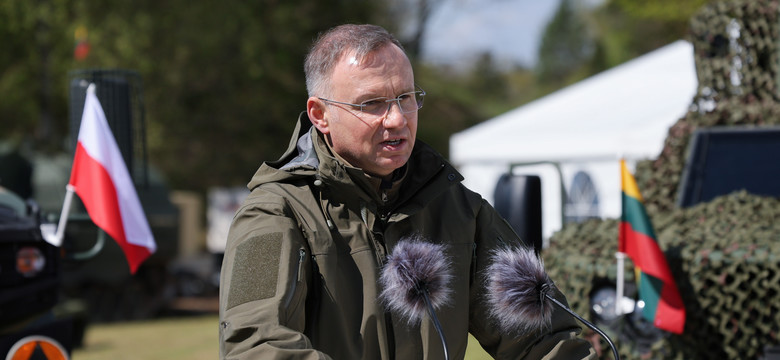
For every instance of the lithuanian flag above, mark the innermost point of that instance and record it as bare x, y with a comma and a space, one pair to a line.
636, 238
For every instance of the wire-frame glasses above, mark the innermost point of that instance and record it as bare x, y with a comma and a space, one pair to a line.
407, 102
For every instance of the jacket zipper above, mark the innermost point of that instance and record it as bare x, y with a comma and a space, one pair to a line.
380, 253
377, 237
298, 277
301, 256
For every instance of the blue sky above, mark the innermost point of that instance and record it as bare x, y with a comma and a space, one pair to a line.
510, 29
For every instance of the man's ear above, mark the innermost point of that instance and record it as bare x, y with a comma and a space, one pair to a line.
317, 111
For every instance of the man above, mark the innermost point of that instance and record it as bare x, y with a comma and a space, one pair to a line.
306, 249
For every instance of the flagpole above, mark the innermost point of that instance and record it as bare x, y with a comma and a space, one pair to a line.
621, 257
619, 291
55, 238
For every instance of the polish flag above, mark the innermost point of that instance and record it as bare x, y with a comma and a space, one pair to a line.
100, 178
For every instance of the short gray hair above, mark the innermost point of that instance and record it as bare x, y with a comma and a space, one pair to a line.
330, 46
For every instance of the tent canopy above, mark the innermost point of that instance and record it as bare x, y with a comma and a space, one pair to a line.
585, 128
626, 111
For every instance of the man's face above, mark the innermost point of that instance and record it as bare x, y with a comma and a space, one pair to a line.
381, 144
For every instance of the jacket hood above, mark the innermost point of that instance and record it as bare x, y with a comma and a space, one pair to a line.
298, 160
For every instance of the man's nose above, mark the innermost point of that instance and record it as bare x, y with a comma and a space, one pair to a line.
394, 117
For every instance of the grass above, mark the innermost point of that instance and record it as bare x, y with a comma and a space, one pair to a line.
193, 338
190, 338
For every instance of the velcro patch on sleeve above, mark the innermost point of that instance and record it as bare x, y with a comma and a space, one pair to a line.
255, 269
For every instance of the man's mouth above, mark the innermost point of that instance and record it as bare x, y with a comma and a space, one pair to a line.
393, 142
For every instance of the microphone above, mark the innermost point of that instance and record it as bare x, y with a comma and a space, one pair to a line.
519, 293
416, 280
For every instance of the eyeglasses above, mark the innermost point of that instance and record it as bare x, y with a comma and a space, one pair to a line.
407, 102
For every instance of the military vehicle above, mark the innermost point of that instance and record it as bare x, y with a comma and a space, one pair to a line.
103, 280
56, 291
713, 197
29, 279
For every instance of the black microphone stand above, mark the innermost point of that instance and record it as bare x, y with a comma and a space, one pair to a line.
544, 292
435, 319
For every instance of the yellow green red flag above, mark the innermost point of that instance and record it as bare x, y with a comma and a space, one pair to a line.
636, 238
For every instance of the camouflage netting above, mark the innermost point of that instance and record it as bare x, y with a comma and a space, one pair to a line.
737, 87
724, 253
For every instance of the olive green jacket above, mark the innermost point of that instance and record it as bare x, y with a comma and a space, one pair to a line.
305, 251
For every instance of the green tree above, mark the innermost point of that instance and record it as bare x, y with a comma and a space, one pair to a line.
566, 45
667, 11
222, 84
627, 29
581, 41
34, 51
225, 84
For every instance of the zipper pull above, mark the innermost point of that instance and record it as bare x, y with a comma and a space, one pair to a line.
301, 256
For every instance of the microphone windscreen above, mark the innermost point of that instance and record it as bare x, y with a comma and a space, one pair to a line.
516, 284
415, 266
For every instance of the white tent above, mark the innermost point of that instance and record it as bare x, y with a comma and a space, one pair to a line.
624, 112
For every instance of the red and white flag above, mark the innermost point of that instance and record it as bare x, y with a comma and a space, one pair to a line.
100, 178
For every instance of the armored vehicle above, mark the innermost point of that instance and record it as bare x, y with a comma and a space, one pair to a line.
712, 196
